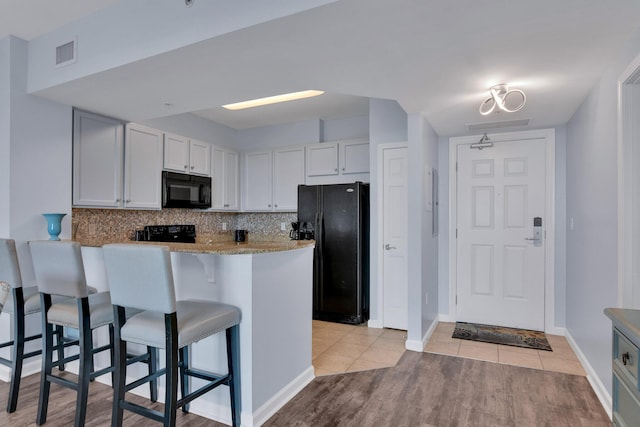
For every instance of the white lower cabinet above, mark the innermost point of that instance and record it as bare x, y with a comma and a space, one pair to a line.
225, 179
272, 179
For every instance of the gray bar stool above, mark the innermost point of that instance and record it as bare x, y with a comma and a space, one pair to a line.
140, 277
59, 270
21, 302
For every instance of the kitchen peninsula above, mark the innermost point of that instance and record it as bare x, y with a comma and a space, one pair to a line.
271, 283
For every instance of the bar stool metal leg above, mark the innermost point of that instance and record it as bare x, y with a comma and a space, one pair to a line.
171, 354
47, 353
232, 363
183, 354
18, 348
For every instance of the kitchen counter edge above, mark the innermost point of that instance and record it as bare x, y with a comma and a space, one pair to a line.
218, 248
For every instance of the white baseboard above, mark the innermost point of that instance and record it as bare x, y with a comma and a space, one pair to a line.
29, 368
596, 383
416, 345
374, 323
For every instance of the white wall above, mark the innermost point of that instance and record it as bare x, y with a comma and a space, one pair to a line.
133, 30
423, 246
387, 123
5, 134
266, 137
592, 203
195, 127
40, 159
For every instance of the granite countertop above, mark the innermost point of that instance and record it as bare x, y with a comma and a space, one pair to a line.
216, 248
627, 320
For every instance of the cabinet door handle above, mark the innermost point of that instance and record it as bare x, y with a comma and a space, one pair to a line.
625, 358
275, 206
186, 166
192, 167
343, 169
335, 170
117, 200
127, 201
269, 205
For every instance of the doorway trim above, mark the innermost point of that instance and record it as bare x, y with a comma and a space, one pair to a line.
549, 291
628, 99
379, 254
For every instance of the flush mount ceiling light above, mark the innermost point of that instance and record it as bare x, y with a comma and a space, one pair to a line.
273, 99
505, 99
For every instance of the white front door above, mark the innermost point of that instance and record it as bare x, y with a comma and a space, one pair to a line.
501, 194
395, 314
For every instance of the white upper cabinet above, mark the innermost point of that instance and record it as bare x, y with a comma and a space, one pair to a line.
338, 162
115, 165
184, 155
354, 157
288, 173
142, 167
322, 159
257, 183
97, 160
272, 178
199, 157
225, 179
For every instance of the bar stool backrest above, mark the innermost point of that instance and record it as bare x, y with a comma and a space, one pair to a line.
58, 268
140, 276
9, 267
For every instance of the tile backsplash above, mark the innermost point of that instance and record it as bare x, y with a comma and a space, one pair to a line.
121, 224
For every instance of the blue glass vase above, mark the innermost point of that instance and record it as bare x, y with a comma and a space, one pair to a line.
54, 224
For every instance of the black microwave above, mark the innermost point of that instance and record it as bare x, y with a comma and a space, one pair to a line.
185, 191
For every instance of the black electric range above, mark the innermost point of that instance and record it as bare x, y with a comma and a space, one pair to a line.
168, 233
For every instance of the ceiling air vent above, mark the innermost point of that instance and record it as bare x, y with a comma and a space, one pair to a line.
66, 53
483, 127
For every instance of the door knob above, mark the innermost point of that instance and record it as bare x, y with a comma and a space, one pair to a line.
389, 247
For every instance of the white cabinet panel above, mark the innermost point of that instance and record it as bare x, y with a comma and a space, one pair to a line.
272, 179
143, 167
188, 156
199, 158
176, 153
258, 185
224, 179
97, 160
338, 162
288, 173
354, 157
322, 159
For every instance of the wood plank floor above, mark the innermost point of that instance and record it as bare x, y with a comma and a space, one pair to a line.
423, 389
426, 389
62, 403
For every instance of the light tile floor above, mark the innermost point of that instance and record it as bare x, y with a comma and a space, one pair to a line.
339, 348
561, 359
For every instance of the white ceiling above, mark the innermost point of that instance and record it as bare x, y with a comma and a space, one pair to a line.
435, 57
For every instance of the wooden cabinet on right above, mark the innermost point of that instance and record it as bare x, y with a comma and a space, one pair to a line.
625, 353
337, 162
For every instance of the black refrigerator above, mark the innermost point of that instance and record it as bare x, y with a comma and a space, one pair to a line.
337, 216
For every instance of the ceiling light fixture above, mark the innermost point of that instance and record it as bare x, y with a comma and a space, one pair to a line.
273, 99
509, 100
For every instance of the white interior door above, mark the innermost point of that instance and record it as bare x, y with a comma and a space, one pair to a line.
500, 271
395, 229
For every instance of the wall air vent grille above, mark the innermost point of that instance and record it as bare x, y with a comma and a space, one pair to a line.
66, 53
483, 127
